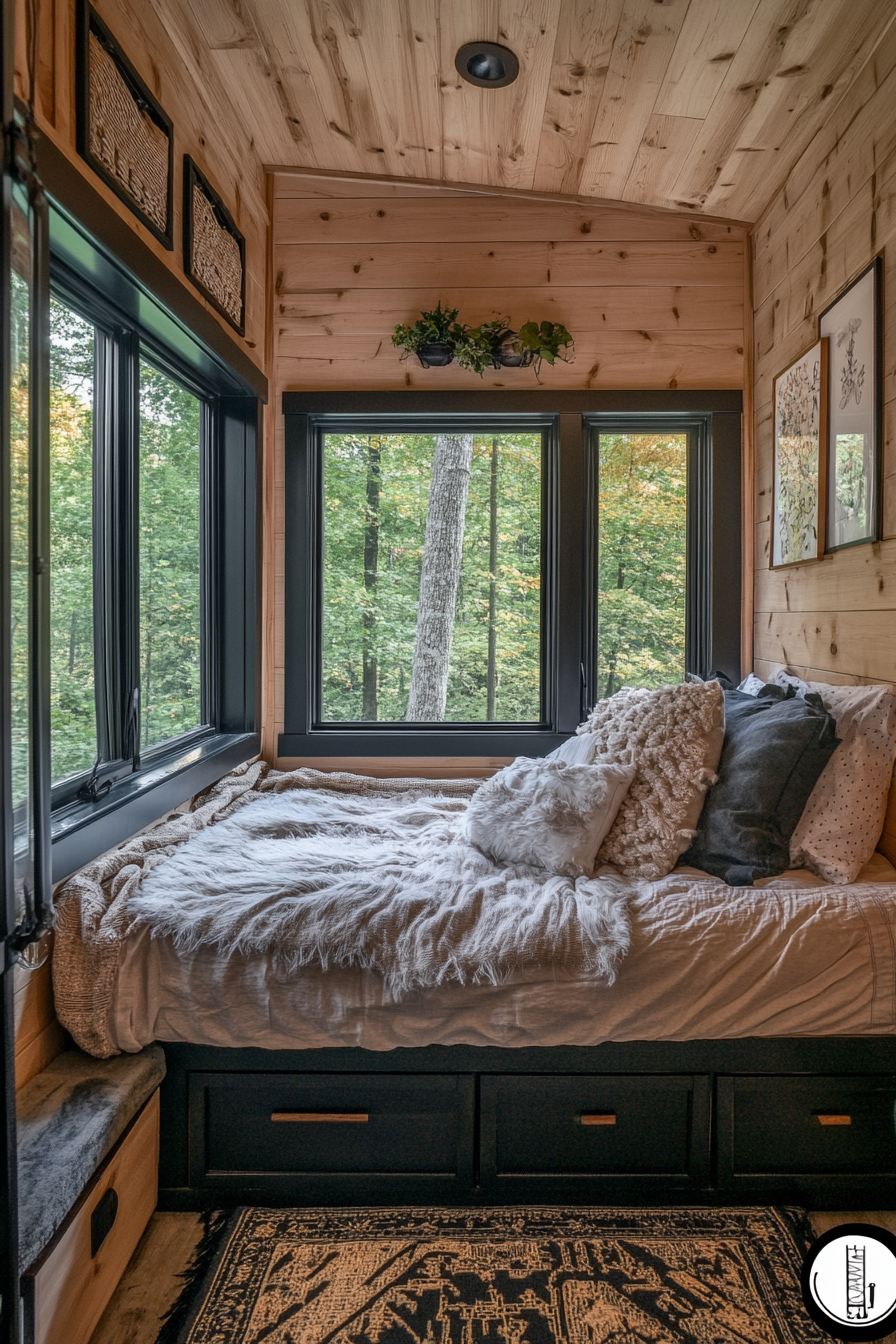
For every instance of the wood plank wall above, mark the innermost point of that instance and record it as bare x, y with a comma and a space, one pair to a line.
655, 299
188, 85
836, 620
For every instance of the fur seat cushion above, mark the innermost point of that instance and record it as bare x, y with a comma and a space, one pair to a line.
547, 813
676, 735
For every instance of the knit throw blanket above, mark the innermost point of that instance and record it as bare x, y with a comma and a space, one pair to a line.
322, 869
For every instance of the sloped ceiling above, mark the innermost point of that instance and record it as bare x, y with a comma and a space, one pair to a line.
701, 105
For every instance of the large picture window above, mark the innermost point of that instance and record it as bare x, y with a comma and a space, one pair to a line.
466, 574
152, 685
430, 590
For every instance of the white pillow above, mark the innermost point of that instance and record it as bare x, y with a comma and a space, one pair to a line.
751, 685
843, 819
547, 813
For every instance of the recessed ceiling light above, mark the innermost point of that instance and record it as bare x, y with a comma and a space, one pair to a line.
487, 64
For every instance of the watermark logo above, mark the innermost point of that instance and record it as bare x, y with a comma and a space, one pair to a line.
849, 1282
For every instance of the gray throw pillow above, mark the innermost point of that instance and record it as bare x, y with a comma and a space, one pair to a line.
547, 813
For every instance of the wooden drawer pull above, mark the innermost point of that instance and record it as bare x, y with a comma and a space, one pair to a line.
835, 1119
603, 1119
322, 1117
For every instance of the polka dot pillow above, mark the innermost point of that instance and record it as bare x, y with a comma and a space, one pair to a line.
843, 819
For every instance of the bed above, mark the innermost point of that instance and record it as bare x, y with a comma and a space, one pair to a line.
745, 1051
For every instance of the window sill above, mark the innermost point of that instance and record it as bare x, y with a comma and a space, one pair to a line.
461, 741
84, 830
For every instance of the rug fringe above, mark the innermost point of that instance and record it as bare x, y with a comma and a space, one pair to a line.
215, 1222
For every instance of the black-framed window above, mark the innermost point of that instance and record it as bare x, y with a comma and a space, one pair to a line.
362, 470
152, 555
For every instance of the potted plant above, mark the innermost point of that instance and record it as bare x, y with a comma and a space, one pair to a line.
545, 340
477, 349
433, 338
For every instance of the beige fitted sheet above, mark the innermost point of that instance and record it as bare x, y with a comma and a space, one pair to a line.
789, 957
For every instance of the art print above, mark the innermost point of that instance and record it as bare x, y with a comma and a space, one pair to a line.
800, 416
852, 326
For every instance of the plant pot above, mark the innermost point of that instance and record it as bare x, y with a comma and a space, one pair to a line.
512, 355
435, 354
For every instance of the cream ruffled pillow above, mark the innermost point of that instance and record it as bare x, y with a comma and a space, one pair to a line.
547, 813
676, 734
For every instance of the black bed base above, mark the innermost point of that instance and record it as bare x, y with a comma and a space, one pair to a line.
805, 1120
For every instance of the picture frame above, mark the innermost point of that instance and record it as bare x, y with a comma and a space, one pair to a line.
800, 406
852, 325
214, 248
122, 131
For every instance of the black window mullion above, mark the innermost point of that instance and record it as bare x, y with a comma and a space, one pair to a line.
209, 510
125, 496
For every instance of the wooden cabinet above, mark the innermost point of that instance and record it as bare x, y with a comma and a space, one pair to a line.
799, 1133
67, 1290
286, 1135
591, 1131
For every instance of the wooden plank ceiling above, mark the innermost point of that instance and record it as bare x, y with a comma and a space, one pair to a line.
701, 105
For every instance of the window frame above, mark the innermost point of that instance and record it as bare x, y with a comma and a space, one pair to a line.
713, 422
132, 327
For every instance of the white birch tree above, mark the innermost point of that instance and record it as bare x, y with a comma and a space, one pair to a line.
440, 576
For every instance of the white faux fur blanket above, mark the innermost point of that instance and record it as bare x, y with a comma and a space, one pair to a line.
383, 882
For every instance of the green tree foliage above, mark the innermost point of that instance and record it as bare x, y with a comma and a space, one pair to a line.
370, 620
170, 592
72, 688
642, 556
19, 536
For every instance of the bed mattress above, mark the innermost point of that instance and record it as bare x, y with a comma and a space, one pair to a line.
788, 957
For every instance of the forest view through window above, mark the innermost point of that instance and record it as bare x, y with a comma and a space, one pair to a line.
431, 596
73, 725
642, 553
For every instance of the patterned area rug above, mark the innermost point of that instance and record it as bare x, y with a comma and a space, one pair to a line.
500, 1276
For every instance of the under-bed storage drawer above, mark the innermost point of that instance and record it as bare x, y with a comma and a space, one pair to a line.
583, 1132
778, 1130
278, 1133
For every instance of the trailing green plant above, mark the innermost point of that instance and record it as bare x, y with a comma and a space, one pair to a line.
546, 340
476, 348
437, 327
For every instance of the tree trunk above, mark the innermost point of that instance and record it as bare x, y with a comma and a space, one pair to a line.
491, 677
371, 564
439, 576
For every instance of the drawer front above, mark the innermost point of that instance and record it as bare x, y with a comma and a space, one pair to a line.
598, 1126
74, 1281
824, 1126
282, 1124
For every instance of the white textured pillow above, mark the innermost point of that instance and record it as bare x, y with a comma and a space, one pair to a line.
676, 733
842, 821
547, 813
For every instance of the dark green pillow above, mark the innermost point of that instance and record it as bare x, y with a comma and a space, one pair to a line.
776, 746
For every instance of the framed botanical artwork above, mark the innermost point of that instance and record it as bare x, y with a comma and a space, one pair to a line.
214, 248
800, 425
122, 131
852, 325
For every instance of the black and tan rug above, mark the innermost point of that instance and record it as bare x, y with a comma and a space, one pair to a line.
500, 1276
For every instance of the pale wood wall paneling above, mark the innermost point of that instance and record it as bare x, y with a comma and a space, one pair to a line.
169, 54
655, 299
38, 1036
702, 104
836, 211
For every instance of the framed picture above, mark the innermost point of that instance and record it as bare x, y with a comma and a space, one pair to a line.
122, 131
800, 421
852, 325
214, 248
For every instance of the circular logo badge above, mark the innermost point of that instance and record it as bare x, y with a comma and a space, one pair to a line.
849, 1281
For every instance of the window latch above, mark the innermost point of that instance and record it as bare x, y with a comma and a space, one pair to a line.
92, 792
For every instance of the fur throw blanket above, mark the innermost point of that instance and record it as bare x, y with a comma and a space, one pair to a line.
383, 882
